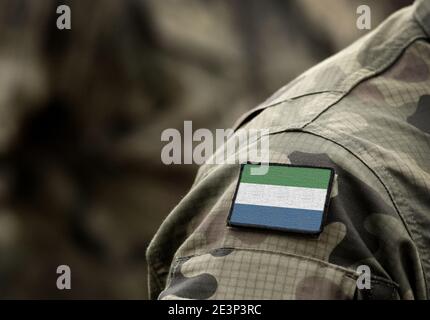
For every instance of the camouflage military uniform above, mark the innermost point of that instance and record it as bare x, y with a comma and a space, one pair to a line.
364, 112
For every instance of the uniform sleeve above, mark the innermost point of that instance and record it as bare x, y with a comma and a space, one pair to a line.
195, 255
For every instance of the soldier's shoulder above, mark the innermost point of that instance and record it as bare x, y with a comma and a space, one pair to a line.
315, 91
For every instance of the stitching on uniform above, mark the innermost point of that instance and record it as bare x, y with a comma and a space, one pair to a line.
244, 119
415, 237
314, 93
378, 178
359, 147
351, 81
323, 263
347, 273
372, 74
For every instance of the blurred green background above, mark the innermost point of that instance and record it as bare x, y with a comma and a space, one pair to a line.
82, 111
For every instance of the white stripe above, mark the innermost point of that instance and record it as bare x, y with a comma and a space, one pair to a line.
281, 196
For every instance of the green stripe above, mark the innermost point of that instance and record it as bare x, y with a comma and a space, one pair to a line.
289, 176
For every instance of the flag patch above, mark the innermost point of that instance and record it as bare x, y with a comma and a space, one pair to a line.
288, 198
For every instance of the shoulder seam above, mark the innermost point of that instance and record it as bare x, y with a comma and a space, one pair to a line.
376, 175
371, 75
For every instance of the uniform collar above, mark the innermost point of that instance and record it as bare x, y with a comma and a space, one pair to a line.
422, 14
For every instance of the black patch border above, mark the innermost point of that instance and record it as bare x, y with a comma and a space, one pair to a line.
289, 230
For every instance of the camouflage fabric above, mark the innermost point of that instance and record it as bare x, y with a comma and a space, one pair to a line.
364, 112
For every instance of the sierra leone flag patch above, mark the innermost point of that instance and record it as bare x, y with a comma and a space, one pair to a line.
287, 198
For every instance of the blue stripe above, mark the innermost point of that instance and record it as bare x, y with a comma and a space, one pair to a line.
275, 217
